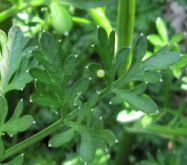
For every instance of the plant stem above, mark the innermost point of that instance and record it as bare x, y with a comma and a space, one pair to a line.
33, 139
125, 27
11, 11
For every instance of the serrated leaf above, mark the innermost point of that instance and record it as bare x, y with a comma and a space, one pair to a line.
15, 125
140, 48
161, 27
3, 109
87, 148
139, 102
16, 161
85, 4
62, 138
12, 55
60, 18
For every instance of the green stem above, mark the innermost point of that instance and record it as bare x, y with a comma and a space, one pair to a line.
11, 11
125, 27
33, 139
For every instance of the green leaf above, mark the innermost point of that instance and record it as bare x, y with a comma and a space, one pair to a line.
49, 46
147, 76
105, 49
2, 149
16, 161
161, 60
15, 125
19, 81
70, 64
87, 147
161, 27
92, 100
62, 138
12, 55
79, 88
3, 110
41, 75
121, 57
138, 102
155, 40
18, 110
60, 18
105, 135
140, 49
46, 100
177, 38
85, 4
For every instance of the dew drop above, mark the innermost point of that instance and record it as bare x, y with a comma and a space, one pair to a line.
116, 141
110, 102
161, 80
146, 82
22, 154
11, 135
36, 47
30, 100
66, 33
85, 163
49, 145
92, 45
98, 92
86, 67
92, 109
76, 55
100, 118
27, 71
90, 78
34, 122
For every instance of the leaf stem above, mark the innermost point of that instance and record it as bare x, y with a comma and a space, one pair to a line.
33, 139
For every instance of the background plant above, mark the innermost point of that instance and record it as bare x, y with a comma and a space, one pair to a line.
79, 83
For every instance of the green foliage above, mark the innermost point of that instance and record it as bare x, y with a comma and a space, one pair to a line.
60, 18
14, 77
79, 84
15, 123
